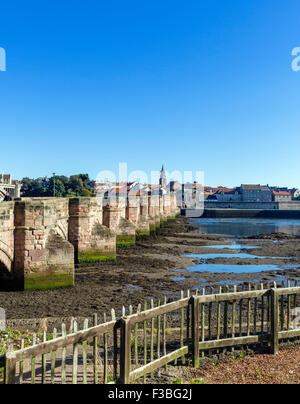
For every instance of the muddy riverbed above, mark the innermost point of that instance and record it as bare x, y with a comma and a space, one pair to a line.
158, 267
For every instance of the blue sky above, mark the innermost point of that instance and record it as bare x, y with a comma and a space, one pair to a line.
196, 85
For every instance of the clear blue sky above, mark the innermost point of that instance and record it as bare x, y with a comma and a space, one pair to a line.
196, 85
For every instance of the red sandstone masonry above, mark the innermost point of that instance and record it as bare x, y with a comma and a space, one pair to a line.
154, 212
42, 250
143, 226
114, 217
161, 208
35, 233
92, 240
133, 209
175, 210
167, 206
137, 213
6, 237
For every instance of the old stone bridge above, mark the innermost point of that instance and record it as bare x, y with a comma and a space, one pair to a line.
41, 239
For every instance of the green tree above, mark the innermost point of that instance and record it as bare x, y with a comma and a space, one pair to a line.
33, 188
59, 187
76, 185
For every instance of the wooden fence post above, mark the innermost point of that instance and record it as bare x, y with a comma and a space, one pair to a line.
10, 368
95, 351
195, 331
274, 322
125, 351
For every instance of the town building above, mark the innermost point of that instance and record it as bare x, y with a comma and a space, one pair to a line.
6, 179
9, 189
255, 193
296, 194
192, 195
282, 196
222, 194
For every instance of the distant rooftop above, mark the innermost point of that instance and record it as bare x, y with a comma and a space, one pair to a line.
282, 193
250, 187
5, 179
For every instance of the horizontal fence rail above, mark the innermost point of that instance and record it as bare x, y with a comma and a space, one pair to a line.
141, 343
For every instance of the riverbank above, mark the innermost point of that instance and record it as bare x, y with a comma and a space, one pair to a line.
283, 368
154, 268
255, 369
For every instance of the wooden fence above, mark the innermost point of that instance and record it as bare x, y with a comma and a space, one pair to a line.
140, 344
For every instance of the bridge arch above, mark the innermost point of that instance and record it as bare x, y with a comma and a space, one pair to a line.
6, 258
63, 232
5, 265
6, 275
2, 192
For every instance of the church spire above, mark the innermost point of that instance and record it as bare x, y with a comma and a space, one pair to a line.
163, 178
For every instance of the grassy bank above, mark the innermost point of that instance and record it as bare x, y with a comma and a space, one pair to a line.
14, 339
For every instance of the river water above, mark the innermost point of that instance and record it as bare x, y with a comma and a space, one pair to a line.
241, 228
247, 227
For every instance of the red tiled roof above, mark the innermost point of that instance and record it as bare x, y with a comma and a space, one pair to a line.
118, 191
251, 187
282, 193
137, 193
219, 189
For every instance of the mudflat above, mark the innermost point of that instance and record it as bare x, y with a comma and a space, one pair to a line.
155, 268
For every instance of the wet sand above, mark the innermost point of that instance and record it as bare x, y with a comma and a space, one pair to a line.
147, 270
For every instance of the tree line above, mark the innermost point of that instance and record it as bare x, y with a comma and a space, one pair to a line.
76, 185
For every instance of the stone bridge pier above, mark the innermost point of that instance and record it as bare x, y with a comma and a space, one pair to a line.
114, 217
133, 209
43, 256
143, 226
161, 209
137, 214
167, 206
175, 210
91, 239
153, 212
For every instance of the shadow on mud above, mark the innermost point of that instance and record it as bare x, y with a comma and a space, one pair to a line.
7, 282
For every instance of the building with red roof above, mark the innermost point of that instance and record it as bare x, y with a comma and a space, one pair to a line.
281, 196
